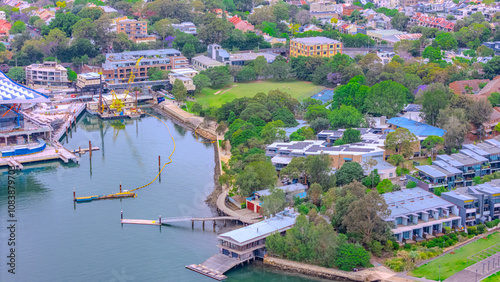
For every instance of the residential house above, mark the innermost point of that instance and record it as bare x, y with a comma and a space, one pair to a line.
185, 76
421, 130
5, 27
347, 11
391, 36
254, 203
240, 24
186, 27
418, 215
493, 45
439, 23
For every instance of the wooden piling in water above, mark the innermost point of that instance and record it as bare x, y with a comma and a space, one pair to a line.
122, 215
90, 149
192, 224
74, 195
203, 224
160, 219
159, 164
120, 186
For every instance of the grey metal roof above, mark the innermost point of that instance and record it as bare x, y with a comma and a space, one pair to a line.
448, 167
473, 155
459, 193
408, 201
476, 149
431, 171
464, 159
450, 160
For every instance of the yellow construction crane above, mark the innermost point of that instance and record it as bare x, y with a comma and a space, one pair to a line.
117, 104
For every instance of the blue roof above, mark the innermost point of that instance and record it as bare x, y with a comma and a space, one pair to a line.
417, 128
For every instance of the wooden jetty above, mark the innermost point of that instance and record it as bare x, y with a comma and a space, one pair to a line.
215, 266
169, 220
82, 151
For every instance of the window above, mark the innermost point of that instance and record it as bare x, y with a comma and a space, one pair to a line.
390, 174
317, 53
317, 47
331, 46
324, 53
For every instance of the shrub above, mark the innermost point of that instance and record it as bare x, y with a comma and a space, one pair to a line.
423, 255
395, 245
389, 246
396, 264
407, 247
376, 248
481, 228
471, 230
493, 223
411, 184
450, 242
349, 256
453, 236
431, 244
447, 230
243, 205
303, 209
445, 238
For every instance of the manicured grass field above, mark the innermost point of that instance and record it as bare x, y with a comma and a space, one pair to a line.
298, 89
492, 278
453, 263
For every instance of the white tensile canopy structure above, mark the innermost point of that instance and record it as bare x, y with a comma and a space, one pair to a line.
14, 93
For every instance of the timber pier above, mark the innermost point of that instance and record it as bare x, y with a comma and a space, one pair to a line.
169, 220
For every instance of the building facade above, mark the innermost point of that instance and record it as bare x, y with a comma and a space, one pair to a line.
315, 46
118, 66
417, 215
47, 75
132, 27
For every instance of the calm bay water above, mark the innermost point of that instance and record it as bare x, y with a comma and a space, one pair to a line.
57, 240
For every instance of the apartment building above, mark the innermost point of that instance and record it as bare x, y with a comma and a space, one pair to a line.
315, 46
282, 154
118, 66
88, 82
417, 215
476, 204
185, 75
47, 75
131, 27
458, 170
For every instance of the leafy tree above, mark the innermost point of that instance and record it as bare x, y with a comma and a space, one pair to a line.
179, 90
121, 43
384, 186
18, 27
352, 94
259, 65
401, 141
279, 69
386, 98
433, 54
256, 176
303, 133
62, 21
215, 31
314, 193
219, 76
345, 117
348, 172
479, 112
319, 124
366, 217
91, 13
71, 75
400, 21
274, 202
318, 169
273, 131
372, 180
188, 51
433, 101
396, 159
201, 81
483, 51
445, 41
494, 99
350, 136
247, 73
196, 107
492, 67
33, 19
17, 74
431, 142
316, 111
285, 115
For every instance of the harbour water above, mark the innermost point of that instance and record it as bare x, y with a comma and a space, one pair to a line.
57, 240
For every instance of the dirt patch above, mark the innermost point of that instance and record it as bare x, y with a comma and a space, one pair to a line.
229, 88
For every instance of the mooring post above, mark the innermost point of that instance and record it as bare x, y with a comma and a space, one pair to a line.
159, 164
74, 195
160, 219
192, 224
203, 224
120, 186
80, 150
214, 224
121, 215
90, 149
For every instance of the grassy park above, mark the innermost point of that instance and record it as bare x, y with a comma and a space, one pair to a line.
492, 278
453, 263
216, 97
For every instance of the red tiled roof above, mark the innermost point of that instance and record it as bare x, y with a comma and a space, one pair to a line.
234, 20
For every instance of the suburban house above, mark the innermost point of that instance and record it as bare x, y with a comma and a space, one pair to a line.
439, 23
240, 24
417, 215
186, 27
5, 27
254, 203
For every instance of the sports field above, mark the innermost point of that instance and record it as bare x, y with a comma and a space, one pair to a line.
453, 263
216, 97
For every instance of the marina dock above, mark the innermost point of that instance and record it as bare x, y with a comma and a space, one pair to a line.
50, 153
103, 197
82, 151
215, 266
169, 220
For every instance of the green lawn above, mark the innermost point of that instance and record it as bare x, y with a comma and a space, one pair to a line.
453, 263
298, 89
492, 278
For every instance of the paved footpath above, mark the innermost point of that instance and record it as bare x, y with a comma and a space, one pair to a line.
478, 271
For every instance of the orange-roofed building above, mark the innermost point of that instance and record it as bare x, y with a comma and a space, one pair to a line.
241, 24
4, 28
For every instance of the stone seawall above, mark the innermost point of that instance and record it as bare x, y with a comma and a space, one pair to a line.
323, 272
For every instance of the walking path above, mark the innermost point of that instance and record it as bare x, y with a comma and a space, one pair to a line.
478, 271
243, 215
